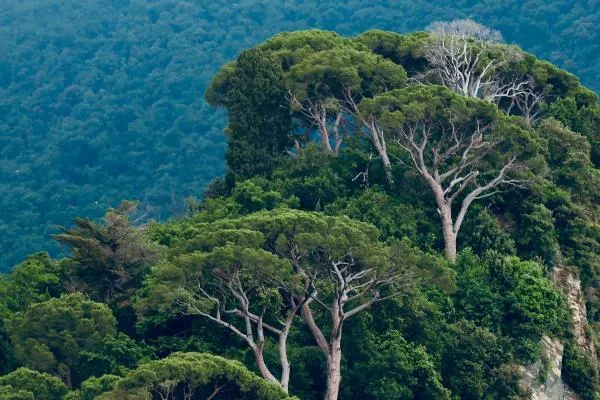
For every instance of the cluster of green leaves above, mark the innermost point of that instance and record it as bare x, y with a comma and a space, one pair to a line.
57, 343
190, 375
510, 295
578, 370
106, 106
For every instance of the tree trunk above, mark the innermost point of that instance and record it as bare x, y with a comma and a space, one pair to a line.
262, 366
379, 144
449, 236
334, 364
285, 364
324, 133
387, 166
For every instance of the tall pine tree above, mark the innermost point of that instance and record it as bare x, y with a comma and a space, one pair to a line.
259, 131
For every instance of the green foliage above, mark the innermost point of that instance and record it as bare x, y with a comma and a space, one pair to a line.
6, 350
472, 365
533, 305
582, 118
578, 372
401, 49
109, 259
510, 297
36, 279
93, 387
210, 252
52, 336
259, 114
197, 374
432, 105
545, 367
116, 355
400, 370
483, 232
569, 160
24, 384
9, 393
537, 236
326, 74
393, 218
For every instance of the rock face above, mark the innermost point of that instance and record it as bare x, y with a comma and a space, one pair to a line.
571, 286
553, 388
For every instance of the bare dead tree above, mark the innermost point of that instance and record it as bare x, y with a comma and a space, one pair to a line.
466, 28
449, 158
253, 325
462, 57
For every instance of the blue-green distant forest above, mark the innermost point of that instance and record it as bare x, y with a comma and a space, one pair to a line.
103, 100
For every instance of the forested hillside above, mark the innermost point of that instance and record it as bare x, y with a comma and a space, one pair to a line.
401, 216
102, 100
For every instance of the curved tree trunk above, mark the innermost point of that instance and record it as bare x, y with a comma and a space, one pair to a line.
262, 366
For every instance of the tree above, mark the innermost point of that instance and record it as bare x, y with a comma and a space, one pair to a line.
115, 355
51, 336
472, 363
401, 370
253, 274
93, 387
326, 86
343, 271
579, 371
458, 56
532, 304
461, 147
194, 376
31, 385
569, 160
6, 350
36, 279
328, 78
231, 280
507, 295
110, 259
325, 76
404, 50
259, 131
463, 56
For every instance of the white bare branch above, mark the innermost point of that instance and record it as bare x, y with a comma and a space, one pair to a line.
462, 57
231, 285
450, 165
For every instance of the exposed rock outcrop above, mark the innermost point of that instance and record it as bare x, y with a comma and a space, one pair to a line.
549, 367
544, 377
571, 286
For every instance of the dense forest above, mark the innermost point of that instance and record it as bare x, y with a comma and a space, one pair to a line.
401, 216
102, 100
